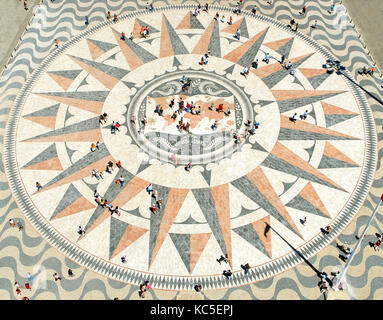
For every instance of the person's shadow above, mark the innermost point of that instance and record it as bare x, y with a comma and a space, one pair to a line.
341, 248
371, 244
342, 257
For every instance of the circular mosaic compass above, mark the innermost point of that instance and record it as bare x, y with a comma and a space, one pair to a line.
248, 200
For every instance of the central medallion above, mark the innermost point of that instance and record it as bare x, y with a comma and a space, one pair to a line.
190, 116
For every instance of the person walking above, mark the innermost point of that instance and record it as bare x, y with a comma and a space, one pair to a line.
11, 223
70, 273
56, 276
86, 20
122, 180
56, 43
29, 276
38, 186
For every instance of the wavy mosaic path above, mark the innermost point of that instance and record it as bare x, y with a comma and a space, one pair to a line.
24, 250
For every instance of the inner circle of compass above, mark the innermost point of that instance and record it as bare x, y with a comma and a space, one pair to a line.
202, 144
248, 204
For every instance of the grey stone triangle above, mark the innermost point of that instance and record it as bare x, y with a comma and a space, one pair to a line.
278, 164
333, 119
250, 54
264, 103
176, 43
244, 212
215, 41
291, 104
130, 85
286, 48
230, 69
48, 153
69, 74
182, 244
287, 185
316, 81
70, 196
194, 22
293, 134
302, 204
327, 162
143, 165
104, 46
205, 201
156, 219
248, 233
310, 150
84, 82
243, 28
46, 112
85, 125
206, 175
98, 96
244, 185
296, 80
176, 63
257, 146
117, 230
115, 72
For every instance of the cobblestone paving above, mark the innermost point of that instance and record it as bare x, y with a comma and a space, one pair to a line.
26, 251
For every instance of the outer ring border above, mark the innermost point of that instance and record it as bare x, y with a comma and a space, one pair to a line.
187, 282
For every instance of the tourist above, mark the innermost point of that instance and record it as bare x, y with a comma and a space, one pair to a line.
293, 118
267, 58
80, 231
254, 64
109, 16
86, 20
123, 259
237, 34
227, 274
11, 223
304, 115
245, 71
38, 186
254, 10
29, 276
70, 273
246, 267
56, 43
56, 276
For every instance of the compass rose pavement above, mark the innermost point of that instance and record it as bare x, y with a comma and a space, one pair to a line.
256, 200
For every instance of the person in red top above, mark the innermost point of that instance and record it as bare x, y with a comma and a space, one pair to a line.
123, 36
220, 108
27, 286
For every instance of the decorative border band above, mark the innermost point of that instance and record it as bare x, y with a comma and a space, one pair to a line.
186, 283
